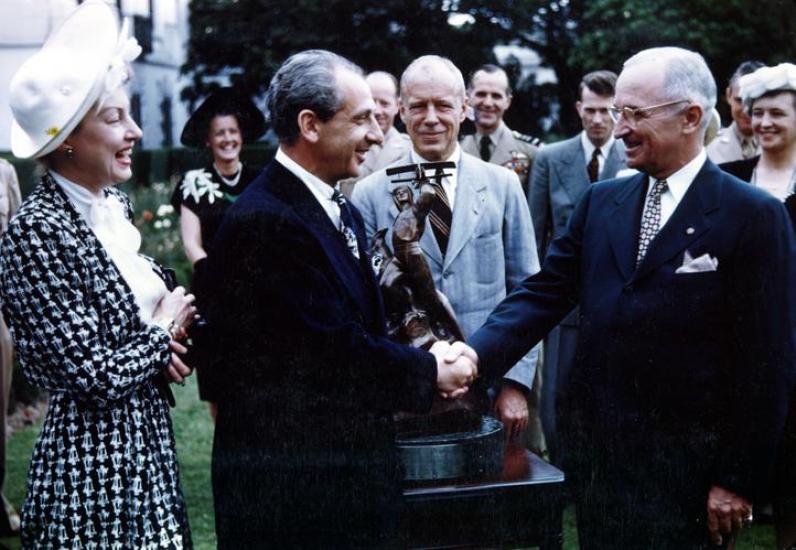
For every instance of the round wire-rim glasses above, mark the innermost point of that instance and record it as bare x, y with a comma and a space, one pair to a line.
633, 114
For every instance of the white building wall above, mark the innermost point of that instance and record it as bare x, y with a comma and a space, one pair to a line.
25, 24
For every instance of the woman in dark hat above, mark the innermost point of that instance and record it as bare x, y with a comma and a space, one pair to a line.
223, 122
92, 319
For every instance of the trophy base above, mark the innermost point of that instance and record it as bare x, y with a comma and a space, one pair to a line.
452, 445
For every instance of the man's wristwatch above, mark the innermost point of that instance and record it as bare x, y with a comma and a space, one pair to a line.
168, 324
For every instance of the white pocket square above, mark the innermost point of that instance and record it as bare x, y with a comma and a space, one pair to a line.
703, 263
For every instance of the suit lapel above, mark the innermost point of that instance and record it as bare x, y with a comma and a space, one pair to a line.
688, 221
286, 186
623, 224
571, 170
468, 207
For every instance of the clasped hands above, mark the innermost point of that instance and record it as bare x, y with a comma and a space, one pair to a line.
457, 368
178, 306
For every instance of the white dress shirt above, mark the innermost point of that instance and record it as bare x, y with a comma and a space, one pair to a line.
678, 184
319, 189
448, 182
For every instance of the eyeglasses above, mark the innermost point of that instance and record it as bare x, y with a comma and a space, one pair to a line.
633, 115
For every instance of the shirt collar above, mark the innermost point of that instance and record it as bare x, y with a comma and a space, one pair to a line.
455, 157
495, 136
680, 181
319, 188
588, 146
80, 197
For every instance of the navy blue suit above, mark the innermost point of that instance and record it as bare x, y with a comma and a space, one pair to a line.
680, 381
304, 452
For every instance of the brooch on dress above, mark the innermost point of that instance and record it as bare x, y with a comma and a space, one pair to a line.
198, 183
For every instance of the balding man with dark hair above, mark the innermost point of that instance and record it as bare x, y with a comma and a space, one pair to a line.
304, 453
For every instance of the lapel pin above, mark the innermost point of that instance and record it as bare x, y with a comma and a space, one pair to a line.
689, 231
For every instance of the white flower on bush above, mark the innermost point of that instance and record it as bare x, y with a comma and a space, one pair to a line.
198, 183
165, 210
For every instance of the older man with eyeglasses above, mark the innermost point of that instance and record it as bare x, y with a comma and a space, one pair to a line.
680, 385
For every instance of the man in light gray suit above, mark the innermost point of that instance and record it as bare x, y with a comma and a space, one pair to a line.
489, 246
561, 174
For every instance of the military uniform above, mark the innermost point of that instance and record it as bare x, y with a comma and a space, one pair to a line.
730, 145
510, 149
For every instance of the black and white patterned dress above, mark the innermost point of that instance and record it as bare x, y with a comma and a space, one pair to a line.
104, 472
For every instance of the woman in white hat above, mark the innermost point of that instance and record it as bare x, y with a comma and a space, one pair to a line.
92, 319
769, 94
224, 121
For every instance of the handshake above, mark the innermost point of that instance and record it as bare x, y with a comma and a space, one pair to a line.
457, 368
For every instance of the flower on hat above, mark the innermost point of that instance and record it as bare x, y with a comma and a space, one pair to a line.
767, 79
127, 52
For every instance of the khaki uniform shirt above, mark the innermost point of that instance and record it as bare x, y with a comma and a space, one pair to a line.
510, 149
728, 146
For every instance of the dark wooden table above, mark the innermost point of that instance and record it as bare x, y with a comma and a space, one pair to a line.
521, 507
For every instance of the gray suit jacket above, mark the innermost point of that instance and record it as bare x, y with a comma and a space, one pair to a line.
558, 181
491, 248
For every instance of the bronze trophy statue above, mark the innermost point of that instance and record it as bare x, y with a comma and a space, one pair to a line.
454, 439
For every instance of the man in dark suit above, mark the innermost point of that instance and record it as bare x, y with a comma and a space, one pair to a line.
304, 453
683, 274
562, 173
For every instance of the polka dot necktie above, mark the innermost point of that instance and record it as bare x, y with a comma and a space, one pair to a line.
346, 223
651, 218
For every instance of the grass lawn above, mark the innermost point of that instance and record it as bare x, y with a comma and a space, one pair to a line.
194, 433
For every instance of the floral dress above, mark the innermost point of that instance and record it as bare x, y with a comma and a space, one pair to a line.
104, 472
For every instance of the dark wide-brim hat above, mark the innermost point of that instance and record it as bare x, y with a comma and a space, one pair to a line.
224, 101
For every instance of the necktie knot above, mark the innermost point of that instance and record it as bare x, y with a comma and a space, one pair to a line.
338, 197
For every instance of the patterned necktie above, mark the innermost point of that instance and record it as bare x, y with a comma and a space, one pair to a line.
441, 215
594, 165
486, 152
651, 218
347, 223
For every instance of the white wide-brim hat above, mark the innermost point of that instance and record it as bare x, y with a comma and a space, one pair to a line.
767, 79
53, 90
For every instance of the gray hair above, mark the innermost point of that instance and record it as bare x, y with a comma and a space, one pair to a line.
423, 62
687, 76
307, 80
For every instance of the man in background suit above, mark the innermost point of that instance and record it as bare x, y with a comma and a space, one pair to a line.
562, 173
304, 452
685, 354
395, 145
737, 141
488, 245
489, 93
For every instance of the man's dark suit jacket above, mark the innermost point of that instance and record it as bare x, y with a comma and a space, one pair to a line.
304, 452
681, 381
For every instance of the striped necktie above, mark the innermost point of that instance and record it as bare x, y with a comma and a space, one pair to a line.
441, 215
